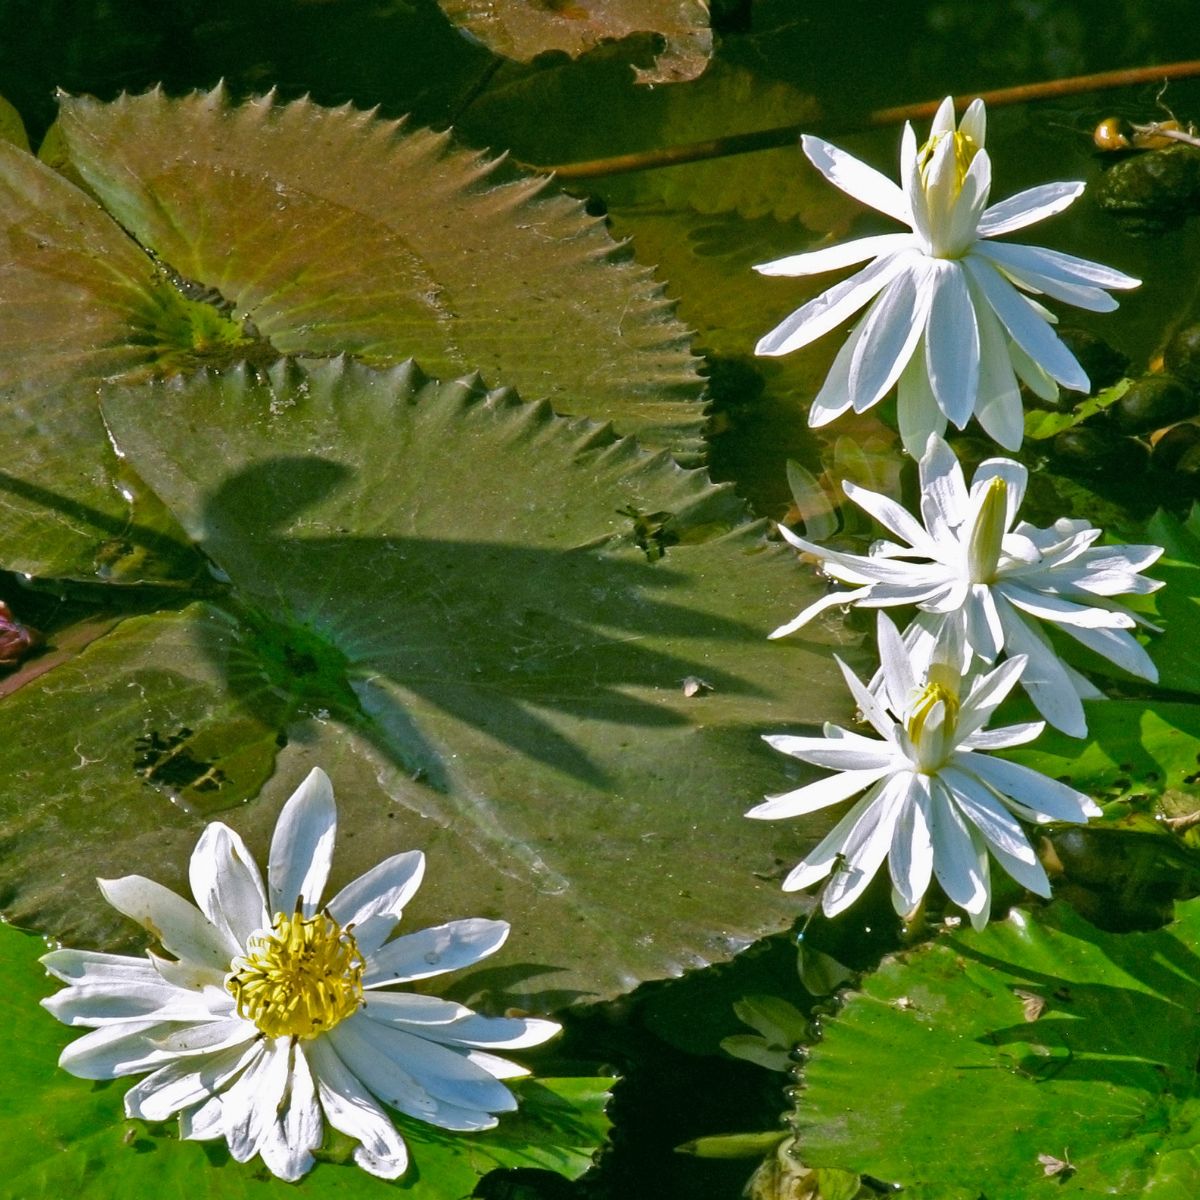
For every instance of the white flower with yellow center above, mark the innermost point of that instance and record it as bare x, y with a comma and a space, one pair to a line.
935, 803
988, 582
951, 319
274, 1011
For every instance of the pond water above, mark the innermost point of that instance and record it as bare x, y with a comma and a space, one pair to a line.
701, 227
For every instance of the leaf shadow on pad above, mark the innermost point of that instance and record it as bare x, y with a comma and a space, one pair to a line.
491, 634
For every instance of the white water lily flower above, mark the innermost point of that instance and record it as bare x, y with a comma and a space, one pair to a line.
935, 803
275, 1010
949, 318
989, 584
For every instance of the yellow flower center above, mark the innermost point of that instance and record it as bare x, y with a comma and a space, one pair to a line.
965, 150
932, 693
300, 979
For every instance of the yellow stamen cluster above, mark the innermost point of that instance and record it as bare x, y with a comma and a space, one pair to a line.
929, 695
300, 979
965, 150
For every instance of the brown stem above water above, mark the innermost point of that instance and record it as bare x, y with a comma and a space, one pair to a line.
785, 135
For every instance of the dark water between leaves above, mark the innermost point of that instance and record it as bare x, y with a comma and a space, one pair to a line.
703, 226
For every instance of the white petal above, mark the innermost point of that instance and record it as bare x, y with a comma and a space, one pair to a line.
844, 751
454, 1024
815, 865
497, 1033
1016, 479
831, 258
1025, 327
115, 1050
1119, 647
446, 1072
1021, 263
833, 399
952, 344
1044, 679
1003, 737
116, 1001
433, 951
824, 792
226, 883
186, 1082
917, 411
867, 844
986, 693
982, 625
828, 310
413, 1008
855, 178
91, 966
382, 891
998, 406
943, 118
969, 206
203, 1122
914, 189
868, 705
899, 676
206, 1037
350, 1109
251, 1103
1070, 269
943, 491
892, 516
955, 861
1028, 207
1031, 875
889, 334
290, 1140
365, 1045
302, 846
974, 122
180, 927
990, 817
1051, 799
1032, 375
1063, 612
828, 601
910, 859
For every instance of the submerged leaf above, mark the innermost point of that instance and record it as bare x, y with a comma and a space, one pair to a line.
594, 111
491, 671
1106, 1068
520, 30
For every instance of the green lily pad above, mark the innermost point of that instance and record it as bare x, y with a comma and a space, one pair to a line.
1037, 1040
328, 231
1133, 747
494, 672
1177, 649
63, 1136
522, 31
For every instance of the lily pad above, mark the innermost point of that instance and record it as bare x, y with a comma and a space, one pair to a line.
1177, 649
1132, 748
522, 31
327, 231
1039, 1038
494, 672
62, 1136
